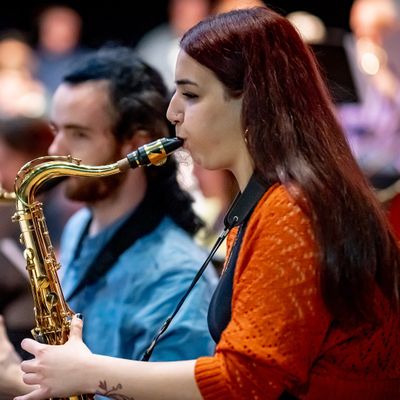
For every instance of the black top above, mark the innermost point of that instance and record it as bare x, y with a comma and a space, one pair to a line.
219, 311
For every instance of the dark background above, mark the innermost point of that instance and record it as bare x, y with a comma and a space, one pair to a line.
122, 21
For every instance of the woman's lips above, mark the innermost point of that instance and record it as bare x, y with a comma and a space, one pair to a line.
184, 142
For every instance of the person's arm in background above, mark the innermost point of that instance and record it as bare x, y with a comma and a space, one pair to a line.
11, 383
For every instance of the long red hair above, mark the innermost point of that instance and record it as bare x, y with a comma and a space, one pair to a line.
293, 137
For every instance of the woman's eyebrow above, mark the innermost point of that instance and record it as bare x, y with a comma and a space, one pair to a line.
185, 82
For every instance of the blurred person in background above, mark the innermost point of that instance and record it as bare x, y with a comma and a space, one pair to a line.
311, 28
58, 43
373, 124
159, 47
21, 140
370, 117
20, 92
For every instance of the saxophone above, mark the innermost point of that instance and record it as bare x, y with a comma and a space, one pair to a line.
52, 313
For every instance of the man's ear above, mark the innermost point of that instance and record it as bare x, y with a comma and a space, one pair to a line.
139, 138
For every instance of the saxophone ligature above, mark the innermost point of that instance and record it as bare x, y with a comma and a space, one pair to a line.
51, 311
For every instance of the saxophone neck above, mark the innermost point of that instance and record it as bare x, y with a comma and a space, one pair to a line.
34, 174
40, 170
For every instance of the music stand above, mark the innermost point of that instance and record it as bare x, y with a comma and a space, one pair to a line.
336, 69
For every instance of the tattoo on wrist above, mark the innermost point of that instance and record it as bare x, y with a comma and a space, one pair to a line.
113, 392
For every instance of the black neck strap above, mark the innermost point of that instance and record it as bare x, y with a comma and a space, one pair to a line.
245, 202
240, 210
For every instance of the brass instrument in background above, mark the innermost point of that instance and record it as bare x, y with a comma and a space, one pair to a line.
6, 197
52, 313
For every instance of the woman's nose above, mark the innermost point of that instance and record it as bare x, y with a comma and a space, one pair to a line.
173, 114
175, 118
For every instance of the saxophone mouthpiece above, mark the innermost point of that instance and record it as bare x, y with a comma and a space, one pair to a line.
154, 153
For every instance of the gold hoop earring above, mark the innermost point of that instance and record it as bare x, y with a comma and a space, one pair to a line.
245, 135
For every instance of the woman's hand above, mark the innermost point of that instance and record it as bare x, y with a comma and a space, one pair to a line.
56, 369
71, 369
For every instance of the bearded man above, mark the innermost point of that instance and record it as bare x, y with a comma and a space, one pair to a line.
128, 255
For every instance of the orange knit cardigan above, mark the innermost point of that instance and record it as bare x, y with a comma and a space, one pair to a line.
281, 336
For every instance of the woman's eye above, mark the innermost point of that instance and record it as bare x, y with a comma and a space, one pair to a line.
189, 95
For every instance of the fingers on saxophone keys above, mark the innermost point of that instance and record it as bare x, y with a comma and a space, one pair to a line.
76, 327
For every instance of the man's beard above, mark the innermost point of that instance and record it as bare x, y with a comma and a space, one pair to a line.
90, 190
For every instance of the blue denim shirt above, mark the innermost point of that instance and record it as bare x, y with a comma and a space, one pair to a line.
124, 309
